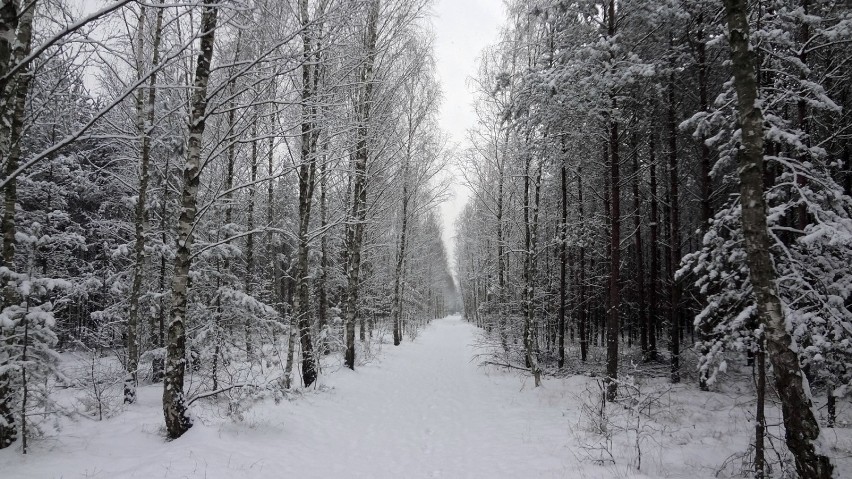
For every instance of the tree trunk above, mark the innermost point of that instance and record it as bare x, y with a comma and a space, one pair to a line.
706, 180
529, 272
174, 403
145, 112
396, 304
801, 427
563, 259
322, 282
655, 255
613, 319
674, 235
358, 213
640, 258
760, 416
584, 310
307, 182
502, 320
19, 26
250, 213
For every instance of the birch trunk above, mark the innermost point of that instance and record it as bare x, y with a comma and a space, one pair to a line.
174, 403
11, 128
145, 123
800, 425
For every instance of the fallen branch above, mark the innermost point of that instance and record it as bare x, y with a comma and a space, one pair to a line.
218, 391
504, 365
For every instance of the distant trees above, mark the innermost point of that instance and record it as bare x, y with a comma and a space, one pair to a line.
629, 110
212, 189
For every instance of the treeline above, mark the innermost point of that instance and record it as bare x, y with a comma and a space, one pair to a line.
217, 194
616, 145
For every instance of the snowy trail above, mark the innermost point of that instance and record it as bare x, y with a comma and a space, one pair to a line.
428, 411
425, 411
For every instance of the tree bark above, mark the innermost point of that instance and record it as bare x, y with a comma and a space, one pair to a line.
801, 427
640, 258
674, 235
583, 317
396, 304
613, 318
19, 26
174, 403
145, 112
563, 260
307, 181
655, 254
760, 416
530, 240
322, 282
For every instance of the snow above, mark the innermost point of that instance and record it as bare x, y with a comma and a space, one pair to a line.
423, 410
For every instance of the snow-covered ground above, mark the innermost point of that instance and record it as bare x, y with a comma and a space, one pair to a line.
425, 410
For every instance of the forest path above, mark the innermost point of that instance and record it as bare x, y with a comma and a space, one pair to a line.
429, 411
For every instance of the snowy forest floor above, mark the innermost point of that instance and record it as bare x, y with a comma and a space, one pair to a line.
424, 410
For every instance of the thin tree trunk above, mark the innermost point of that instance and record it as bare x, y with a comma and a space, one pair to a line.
584, 311
760, 416
322, 286
529, 274
706, 180
174, 403
655, 255
158, 334
563, 259
145, 117
502, 319
613, 319
640, 258
249, 280
396, 303
801, 427
674, 237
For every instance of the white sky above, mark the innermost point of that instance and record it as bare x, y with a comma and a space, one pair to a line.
462, 29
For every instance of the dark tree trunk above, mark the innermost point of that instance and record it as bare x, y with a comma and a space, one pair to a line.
563, 260
613, 319
640, 259
674, 238
584, 310
760, 416
653, 306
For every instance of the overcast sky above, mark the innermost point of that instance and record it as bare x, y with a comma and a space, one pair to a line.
462, 29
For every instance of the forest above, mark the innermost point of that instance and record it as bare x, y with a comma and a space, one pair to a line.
214, 209
655, 195
213, 195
